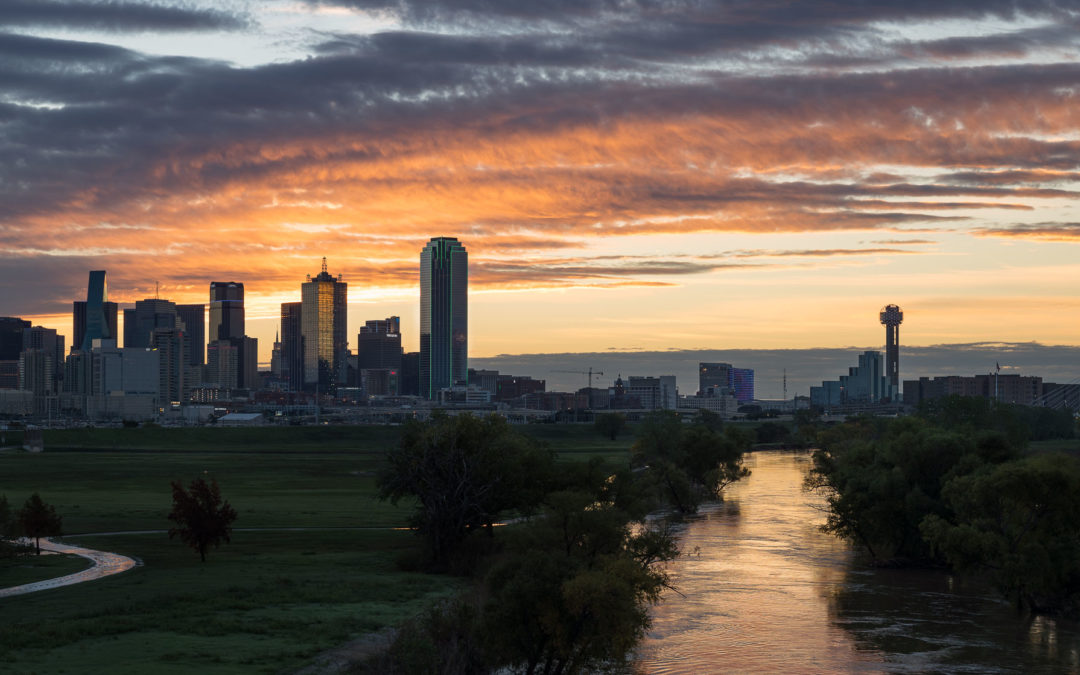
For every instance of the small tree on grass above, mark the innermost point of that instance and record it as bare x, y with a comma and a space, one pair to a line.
38, 519
610, 424
202, 518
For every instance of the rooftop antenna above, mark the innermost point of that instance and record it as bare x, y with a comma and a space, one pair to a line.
785, 384
157, 295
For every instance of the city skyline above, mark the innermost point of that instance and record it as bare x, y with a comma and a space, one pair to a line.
737, 177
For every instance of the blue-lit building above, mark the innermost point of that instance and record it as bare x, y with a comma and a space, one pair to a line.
864, 383
444, 315
94, 318
742, 384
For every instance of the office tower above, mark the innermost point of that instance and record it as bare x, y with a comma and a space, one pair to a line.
194, 320
226, 310
323, 319
891, 318
444, 315
292, 345
223, 364
41, 362
713, 375
742, 384
94, 319
378, 345
409, 378
11, 337
173, 346
147, 316
11, 346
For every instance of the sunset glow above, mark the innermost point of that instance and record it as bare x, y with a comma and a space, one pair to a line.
668, 175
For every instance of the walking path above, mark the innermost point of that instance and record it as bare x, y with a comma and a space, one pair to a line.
105, 564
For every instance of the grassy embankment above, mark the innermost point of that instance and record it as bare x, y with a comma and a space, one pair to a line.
268, 601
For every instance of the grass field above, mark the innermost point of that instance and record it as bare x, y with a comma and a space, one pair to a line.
28, 569
267, 602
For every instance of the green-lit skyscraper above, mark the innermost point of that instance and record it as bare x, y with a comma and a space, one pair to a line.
444, 315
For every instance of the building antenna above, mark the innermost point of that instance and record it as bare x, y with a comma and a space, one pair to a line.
785, 384
157, 290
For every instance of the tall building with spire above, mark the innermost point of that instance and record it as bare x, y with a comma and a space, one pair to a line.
444, 315
323, 318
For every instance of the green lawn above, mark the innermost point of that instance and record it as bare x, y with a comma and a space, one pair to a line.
28, 569
267, 602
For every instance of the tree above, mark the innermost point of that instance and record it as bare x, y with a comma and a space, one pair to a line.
1019, 522
202, 519
9, 532
463, 472
610, 424
38, 519
689, 464
572, 593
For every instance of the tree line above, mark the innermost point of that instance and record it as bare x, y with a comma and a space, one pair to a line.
956, 486
562, 560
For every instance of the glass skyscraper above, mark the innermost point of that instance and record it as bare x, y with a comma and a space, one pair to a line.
226, 310
444, 315
323, 317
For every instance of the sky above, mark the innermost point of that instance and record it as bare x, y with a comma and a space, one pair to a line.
626, 175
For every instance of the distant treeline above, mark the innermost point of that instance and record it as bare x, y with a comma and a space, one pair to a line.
955, 485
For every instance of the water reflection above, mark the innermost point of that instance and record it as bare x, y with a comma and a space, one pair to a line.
765, 591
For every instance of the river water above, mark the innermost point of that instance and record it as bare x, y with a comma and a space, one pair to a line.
763, 590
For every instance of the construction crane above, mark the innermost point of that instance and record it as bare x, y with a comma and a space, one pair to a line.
589, 373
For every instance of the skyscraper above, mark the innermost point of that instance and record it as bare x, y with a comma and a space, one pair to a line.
323, 320
96, 317
713, 375
378, 345
194, 318
891, 318
226, 310
147, 316
292, 345
444, 315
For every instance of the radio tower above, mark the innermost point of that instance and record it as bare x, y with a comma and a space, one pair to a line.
891, 318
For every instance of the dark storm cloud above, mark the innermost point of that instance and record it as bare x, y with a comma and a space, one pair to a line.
91, 130
113, 16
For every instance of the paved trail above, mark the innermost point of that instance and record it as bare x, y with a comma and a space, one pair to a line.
105, 564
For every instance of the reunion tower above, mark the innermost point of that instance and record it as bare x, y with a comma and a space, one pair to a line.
891, 318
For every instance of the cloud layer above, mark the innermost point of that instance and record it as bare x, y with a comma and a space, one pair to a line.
532, 130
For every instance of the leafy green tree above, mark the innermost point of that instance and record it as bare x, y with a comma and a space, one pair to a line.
202, 518
689, 463
572, 593
38, 519
881, 478
610, 424
1020, 523
463, 472
772, 432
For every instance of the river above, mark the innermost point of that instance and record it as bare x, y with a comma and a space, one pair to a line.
764, 590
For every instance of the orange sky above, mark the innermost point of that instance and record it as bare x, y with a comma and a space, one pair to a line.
673, 182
